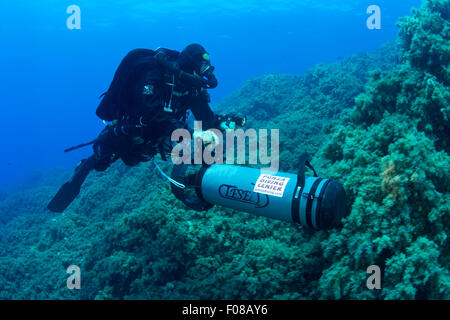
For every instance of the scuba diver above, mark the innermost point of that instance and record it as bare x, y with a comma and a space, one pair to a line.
147, 100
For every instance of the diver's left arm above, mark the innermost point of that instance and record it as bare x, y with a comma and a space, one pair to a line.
202, 112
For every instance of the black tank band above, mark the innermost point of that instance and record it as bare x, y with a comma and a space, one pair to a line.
319, 204
309, 202
295, 207
295, 212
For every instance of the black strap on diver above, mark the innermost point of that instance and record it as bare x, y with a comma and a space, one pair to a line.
162, 152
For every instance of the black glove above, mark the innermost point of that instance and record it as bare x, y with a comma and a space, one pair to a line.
211, 81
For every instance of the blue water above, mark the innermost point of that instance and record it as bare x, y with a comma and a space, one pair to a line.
51, 76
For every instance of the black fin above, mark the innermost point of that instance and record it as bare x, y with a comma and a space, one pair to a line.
70, 190
64, 197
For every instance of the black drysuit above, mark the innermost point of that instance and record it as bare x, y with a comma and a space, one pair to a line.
153, 103
149, 104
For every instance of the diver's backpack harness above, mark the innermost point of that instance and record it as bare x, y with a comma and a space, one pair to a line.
110, 107
112, 104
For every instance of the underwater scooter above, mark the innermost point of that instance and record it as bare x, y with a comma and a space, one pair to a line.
315, 203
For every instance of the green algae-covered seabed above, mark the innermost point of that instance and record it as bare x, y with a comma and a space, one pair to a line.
378, 123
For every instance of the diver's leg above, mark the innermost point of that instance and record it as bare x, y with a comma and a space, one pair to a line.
69, 191
101, 159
